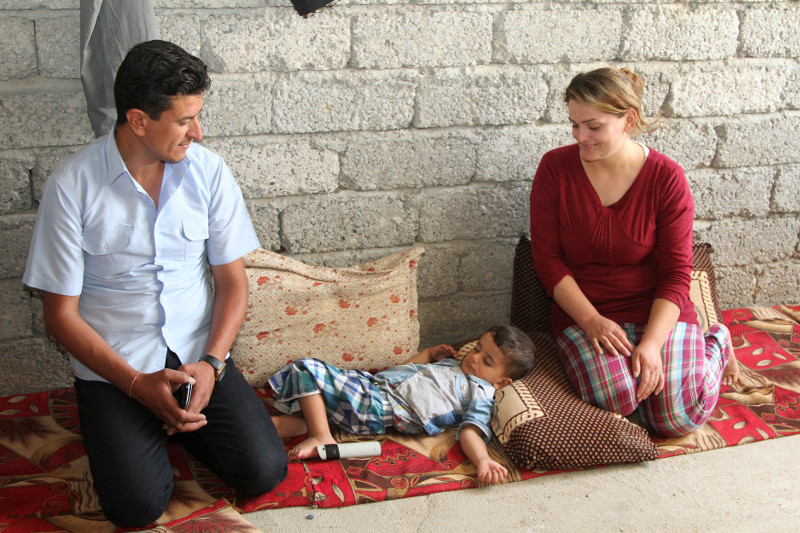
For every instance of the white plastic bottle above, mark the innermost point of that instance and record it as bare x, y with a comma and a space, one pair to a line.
349, 449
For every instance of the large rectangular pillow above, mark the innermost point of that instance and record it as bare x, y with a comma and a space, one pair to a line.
360, 317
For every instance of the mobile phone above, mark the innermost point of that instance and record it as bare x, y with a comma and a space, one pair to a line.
183, 395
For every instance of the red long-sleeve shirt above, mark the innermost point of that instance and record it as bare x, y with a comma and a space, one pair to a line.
622, 256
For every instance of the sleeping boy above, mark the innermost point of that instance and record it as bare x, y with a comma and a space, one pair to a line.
429, 393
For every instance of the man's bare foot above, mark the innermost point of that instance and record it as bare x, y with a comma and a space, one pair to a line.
289, 425
308, 448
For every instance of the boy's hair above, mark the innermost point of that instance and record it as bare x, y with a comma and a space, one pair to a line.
154, 72
518, 348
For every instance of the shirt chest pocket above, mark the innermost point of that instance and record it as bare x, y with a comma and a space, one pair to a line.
195, 233
106, 253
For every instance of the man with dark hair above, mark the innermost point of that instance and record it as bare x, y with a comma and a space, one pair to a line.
148, 81
130, 232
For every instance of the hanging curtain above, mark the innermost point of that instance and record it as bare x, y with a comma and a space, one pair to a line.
109, 28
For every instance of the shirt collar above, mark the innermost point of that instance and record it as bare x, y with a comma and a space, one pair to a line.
117, 168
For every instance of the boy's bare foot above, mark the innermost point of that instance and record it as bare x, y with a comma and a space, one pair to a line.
308, 448
289, 425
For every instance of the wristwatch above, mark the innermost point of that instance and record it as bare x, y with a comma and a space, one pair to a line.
219, 366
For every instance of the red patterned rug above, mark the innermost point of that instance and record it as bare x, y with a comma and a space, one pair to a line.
45, 484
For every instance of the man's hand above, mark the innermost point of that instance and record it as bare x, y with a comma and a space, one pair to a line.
202, 375
154, 391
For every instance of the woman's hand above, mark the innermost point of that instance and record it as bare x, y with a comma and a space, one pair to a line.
604, 334
607, 335
646, 362
648, 367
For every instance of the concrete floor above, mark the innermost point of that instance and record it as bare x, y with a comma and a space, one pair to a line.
754, 487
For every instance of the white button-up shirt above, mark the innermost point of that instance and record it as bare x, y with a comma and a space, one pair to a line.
141, 272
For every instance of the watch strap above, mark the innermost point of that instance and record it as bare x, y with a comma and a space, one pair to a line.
219, 366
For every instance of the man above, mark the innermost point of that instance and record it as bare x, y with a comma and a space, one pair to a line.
124, 237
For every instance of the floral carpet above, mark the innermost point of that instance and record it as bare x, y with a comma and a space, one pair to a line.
46, 486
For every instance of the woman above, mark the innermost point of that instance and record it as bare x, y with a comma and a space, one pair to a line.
611, 234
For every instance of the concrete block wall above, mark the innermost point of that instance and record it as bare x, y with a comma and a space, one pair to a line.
380, 123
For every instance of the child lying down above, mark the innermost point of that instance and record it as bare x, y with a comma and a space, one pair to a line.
430, 392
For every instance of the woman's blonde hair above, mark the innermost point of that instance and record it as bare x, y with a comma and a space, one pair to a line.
611, 90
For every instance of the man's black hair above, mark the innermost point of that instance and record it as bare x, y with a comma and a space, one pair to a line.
152, 73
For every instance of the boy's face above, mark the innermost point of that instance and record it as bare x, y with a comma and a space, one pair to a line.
487, 362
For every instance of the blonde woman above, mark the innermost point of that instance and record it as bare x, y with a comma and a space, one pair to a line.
611, 235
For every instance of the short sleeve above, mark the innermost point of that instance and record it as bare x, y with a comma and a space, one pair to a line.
231, 233
479, 414
55, 258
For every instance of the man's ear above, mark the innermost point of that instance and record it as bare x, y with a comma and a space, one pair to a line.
138, 120
502, 382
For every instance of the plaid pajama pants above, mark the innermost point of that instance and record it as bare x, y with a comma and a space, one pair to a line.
352, 402
693, 365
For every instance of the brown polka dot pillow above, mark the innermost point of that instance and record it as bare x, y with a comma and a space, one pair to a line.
542, 424
530, 305
361, 317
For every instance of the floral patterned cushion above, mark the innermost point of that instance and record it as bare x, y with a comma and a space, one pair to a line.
361, 317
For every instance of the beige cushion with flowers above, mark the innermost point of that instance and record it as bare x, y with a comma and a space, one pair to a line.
361, 317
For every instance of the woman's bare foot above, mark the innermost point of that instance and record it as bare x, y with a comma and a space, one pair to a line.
308, 448
731, 373
289, 425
